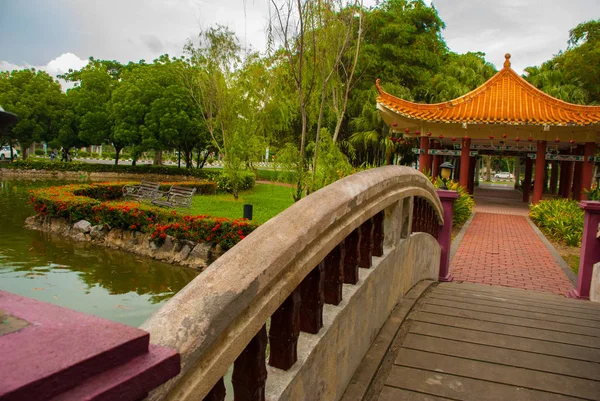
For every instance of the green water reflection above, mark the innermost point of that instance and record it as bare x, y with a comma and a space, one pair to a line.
112, 284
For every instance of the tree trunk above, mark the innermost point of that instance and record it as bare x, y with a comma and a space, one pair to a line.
157, 158
117, 152
488, 168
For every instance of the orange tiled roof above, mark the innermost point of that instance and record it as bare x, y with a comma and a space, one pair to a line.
505, 98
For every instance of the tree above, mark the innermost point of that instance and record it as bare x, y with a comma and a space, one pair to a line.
295, 23
460, 74
38, 101
209, 77
91, 103
572, 75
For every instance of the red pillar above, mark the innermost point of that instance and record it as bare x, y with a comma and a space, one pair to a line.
587, 172
472, 164
437, 160
577, 173
527, 179
540, 170
562, 181
445, 232
424, 157
569, 179
465, 158
554, 177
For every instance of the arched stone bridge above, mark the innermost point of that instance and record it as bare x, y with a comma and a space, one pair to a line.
337, 298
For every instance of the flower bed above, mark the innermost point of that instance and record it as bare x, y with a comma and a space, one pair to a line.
100, 204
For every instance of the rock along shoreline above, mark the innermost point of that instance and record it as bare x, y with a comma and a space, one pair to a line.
178, 252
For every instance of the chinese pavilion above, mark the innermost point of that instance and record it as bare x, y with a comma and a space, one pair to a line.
504, 116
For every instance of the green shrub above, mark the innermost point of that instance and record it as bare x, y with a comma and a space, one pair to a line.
95, 155
561, 219
463, 205
593, 193
83, 153
100, 203
247, 181
39, 152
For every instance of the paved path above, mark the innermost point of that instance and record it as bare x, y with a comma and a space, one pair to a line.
501, 248
472, 342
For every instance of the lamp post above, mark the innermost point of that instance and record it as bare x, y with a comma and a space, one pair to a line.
445, 172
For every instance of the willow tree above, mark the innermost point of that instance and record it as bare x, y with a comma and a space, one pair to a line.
210, 79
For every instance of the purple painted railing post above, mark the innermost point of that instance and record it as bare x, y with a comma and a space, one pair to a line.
445, 232
590, 249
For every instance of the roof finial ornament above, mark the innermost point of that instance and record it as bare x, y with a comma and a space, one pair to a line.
507, 60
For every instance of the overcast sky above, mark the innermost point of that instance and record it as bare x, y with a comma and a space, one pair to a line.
60, 34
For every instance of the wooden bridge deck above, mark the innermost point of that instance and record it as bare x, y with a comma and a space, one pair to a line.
477, 342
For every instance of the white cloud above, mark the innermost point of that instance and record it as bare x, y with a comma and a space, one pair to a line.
57, 66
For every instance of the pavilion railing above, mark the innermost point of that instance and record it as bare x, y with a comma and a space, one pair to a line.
274, 284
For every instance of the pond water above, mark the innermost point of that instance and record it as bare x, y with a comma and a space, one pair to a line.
112, 284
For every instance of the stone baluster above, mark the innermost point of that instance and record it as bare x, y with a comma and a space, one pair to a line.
352, 258
334, 274
284, 332
366, 244
217, 393
378, 234
249, 370
312, 295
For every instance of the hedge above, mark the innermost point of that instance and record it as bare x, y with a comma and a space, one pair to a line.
248, 178
110, 168
100, 203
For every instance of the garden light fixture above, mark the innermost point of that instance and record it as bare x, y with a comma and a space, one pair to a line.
445, 172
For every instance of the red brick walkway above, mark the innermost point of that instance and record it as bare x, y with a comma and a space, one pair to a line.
503, 249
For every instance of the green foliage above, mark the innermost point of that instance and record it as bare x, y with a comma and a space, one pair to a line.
561, 219
107, 168
100, 203
38, 101
39, 152
245, 180
463, 205
572, 75
332, 163
593, 193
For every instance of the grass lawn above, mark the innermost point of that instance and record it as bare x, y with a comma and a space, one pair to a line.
267, 200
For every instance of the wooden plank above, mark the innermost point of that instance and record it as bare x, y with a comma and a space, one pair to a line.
516, 305
498, 310
503, 356
507, 341
512, 320
509, 375
500, 328
516, 293
525, 295
462, 388
397, 394
566, 304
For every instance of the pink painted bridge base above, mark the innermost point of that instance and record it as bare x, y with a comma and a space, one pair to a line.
53, 353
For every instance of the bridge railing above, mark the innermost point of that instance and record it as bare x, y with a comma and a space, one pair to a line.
588, 277
328, 271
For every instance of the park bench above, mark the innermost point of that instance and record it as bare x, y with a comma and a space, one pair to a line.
146, 190
175, 197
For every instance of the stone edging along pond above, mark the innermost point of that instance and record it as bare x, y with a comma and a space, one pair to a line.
98, 214
180, 252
